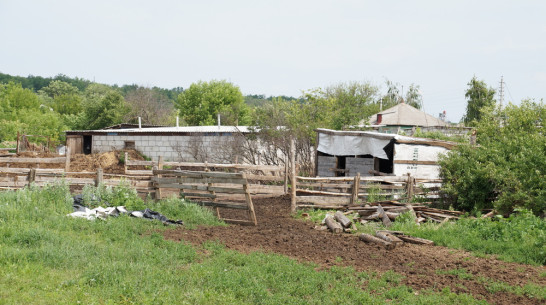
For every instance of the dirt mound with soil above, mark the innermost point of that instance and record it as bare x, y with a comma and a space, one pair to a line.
421, 266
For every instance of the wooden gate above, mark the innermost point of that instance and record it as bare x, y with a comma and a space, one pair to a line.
213, 189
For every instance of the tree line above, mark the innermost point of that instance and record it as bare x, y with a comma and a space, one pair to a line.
50, 105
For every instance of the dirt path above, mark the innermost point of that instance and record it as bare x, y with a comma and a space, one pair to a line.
278, 232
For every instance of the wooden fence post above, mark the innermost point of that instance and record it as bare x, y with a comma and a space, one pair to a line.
125, 163
156, 184
99, 179
31, 175
410, 185
356, 187
17, 147
286, 175
160, 163
67, 162
293, 174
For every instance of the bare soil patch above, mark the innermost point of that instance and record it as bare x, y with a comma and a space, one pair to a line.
278, 232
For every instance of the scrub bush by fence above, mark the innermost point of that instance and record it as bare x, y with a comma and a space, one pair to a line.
507, 169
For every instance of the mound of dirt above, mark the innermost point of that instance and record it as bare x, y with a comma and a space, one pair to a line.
423, 267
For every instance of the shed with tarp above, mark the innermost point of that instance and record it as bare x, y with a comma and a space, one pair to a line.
346, 153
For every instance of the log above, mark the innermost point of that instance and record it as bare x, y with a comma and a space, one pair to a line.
342, 219
395, 241
371, 217
488, 215
386, 221
372, 239
415, 240
367, 212
392, 216
332, 224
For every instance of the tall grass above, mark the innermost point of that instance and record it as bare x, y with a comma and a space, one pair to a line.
519, 238
49, 258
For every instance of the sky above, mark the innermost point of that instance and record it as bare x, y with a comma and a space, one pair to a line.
284, 47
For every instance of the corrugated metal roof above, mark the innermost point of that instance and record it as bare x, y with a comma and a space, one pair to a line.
181, 129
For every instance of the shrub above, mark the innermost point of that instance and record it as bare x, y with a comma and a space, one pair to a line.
506, 170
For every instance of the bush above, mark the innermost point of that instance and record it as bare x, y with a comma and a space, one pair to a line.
506, 170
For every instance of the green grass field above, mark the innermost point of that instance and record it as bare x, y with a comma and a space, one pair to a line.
49, 258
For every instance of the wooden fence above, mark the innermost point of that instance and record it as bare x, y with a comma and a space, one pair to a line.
263, 180
342, 192
213, 189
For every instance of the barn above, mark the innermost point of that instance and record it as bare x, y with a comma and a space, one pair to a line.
217, 144
346, 153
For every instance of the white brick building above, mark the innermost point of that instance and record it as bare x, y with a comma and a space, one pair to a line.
217, 144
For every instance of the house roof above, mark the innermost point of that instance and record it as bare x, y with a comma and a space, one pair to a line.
405, 115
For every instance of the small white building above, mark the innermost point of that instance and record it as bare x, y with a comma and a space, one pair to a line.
346, 153
216, 144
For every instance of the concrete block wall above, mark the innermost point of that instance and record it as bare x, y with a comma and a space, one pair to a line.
325, 163
359, 165
172, 148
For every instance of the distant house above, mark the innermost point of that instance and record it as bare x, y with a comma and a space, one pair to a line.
406, 119
219, 144
346, 153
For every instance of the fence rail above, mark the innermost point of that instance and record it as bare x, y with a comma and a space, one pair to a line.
263, 180
344, 192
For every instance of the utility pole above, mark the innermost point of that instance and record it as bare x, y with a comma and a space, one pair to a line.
501, 92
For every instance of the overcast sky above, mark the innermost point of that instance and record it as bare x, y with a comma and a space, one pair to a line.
283, 47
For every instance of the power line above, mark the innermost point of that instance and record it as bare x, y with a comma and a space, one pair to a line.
501, 92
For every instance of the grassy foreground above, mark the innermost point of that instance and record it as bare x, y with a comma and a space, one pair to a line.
48, 258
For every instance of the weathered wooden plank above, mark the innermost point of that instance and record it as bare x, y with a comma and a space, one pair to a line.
322, 193
182, 186
204, 180
242, 206
239, 222
264, 178
194, 174
204, 195
389, 179
34, 160
139, 172
318, 200
415, 162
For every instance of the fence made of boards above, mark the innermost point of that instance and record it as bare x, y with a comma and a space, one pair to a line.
17, 172
342, 192
213, 189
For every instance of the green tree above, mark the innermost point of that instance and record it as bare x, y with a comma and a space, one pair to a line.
102, 107
351, 103
394, 96
21, 111
62, 97
507, 170
479, 96
203, 101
